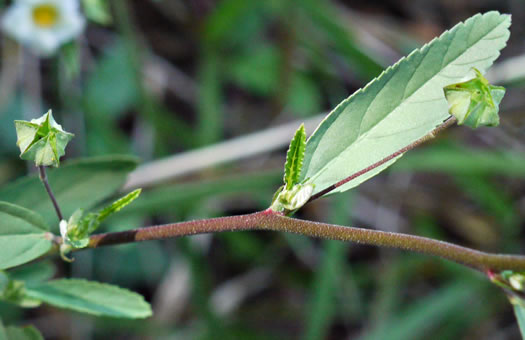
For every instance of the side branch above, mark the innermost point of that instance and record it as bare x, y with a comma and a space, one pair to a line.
268, 220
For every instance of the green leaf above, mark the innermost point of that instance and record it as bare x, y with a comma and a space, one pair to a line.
474, 102
15, 219
294, 158
91, 297
22, 333
78, 184
38, 271
19, 249
23, 235
119, 204
403, 104
80, 227
519, 311
42, 140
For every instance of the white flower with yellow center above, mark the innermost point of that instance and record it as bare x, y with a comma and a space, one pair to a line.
43, 25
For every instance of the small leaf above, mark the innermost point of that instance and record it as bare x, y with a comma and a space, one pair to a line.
402, 105
77, 230
23, 333
23, 235
294, 158
42, 140
74, 232
474, 102
91, 297
119, 204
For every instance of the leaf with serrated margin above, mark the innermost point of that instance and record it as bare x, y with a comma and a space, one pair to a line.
403, 104
118, 204
294, 158
91, 297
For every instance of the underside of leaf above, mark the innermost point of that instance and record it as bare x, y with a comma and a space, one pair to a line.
403, 104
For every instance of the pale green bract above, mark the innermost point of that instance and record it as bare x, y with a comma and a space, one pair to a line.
405, 103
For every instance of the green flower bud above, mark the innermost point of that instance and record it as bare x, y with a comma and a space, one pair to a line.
474, 102
42, 140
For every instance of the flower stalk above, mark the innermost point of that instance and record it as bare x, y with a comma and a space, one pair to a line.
43, 178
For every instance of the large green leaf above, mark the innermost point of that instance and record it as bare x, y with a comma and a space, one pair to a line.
37, 271
91, 297
23, 235
19, 249
403, 104
79, 184
18, 220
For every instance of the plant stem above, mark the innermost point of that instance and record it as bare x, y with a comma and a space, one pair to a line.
269, 220
451, 120
43, 178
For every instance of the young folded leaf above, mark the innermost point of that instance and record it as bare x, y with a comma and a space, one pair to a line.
76, 231
294, 158
474, 102
402, 105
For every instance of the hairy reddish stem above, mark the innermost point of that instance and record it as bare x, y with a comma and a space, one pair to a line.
269, 220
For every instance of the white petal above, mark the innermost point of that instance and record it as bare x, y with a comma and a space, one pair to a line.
18, 23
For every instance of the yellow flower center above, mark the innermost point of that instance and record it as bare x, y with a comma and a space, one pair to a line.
45, 15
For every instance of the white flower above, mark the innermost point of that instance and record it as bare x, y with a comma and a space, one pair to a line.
43, 25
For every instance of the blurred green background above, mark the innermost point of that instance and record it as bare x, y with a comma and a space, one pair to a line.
161, 79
